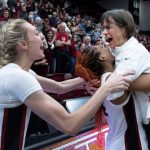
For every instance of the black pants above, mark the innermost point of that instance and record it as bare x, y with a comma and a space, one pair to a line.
62, 61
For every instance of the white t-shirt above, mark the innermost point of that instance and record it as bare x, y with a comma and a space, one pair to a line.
134, 56
15, 86
125, 124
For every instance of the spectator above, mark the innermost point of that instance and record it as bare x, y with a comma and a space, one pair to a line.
73, 52
62, 52
51, 36
53, 21
87, 40
24, 13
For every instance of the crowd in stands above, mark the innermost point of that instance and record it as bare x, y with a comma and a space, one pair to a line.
67, 29
144, 39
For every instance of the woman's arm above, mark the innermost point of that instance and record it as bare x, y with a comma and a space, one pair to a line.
52, 112
52, 86
142, 83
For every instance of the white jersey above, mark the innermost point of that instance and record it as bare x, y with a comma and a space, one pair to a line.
15, 86
134, 56
125, 126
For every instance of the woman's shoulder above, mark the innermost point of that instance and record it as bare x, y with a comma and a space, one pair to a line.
13, 71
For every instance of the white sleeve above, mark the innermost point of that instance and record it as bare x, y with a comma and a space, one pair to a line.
22, 84
32, 72
112, 95
136, 62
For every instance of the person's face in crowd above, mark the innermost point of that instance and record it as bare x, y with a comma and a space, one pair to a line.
6, 14
50, 36
114, 34
87, 40
98, 41
82, 47
23, 8
69, 24
62, 28
74, 38
74, 23
34, 43
46, 21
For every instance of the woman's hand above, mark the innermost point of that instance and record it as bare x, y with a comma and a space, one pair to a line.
92, 86
119, 82
42, 62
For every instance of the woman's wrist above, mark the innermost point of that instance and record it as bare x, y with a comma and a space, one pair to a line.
104, 90
107, 88
82, 81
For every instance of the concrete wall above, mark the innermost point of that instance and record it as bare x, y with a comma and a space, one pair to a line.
144, 23
112, 4
144, 11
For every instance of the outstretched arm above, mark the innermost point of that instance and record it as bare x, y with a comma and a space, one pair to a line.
51, 111
52, 86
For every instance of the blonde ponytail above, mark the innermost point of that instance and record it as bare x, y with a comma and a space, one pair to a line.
10, 33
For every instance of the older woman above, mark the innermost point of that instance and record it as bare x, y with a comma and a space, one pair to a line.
119, 30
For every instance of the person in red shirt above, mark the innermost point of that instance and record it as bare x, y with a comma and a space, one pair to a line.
62, 43
73, 52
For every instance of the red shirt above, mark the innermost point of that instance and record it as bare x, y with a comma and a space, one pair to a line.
73, 49
62, 37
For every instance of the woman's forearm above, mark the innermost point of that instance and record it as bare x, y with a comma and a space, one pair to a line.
142, 83
88, 110
52, 86
74, 83
71, 123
